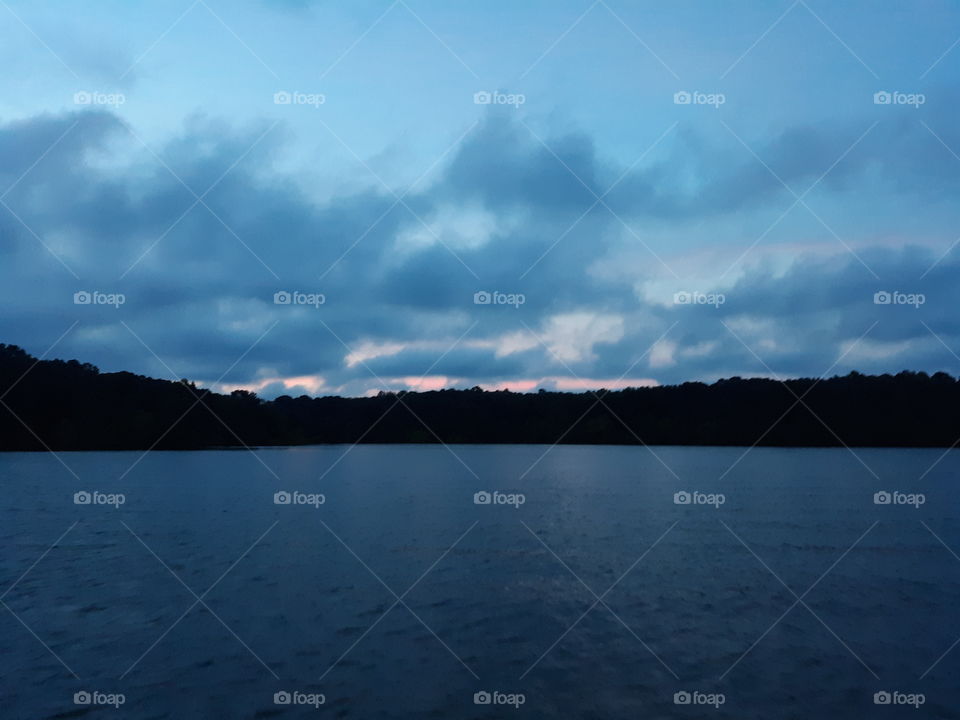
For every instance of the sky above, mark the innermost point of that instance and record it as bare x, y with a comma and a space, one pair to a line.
333, 197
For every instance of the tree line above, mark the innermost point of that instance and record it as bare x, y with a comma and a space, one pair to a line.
68, 405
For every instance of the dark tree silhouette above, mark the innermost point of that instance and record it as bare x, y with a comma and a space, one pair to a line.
67, 405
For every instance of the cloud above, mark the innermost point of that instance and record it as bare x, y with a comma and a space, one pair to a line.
510, 212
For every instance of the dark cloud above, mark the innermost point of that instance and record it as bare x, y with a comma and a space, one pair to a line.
510, 213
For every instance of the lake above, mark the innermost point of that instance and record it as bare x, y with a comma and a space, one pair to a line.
480, 581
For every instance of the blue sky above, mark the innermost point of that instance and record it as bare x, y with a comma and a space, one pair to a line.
622, 235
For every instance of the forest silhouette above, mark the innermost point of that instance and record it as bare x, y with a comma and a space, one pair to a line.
68, 405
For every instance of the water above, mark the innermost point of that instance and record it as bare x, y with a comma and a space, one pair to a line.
305, 598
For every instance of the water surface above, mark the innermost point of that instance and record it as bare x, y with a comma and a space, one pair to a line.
399, 597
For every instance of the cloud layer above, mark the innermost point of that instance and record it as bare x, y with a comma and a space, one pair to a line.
534, 249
